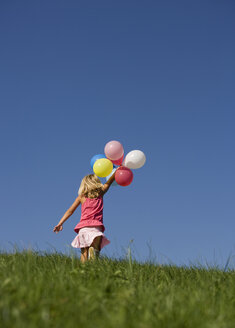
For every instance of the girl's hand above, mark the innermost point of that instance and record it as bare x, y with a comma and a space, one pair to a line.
58, 228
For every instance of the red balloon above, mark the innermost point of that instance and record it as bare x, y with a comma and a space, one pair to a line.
118, 161
123, 176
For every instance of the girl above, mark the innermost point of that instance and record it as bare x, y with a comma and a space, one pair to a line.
90, 238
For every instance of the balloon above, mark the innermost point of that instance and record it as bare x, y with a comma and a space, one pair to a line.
114, 150
135, 159
119, 161
102, 167
114, 182
95, 157
123, 176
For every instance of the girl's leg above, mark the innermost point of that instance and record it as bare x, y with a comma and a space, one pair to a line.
84, 254
97, 242
94, 249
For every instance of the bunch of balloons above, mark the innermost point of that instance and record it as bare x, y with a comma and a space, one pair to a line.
102, 165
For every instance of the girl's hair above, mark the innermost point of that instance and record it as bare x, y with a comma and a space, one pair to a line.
90, 187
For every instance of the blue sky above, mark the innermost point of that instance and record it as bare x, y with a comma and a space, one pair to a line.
157, 76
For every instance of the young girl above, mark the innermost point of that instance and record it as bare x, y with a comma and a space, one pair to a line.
90, 238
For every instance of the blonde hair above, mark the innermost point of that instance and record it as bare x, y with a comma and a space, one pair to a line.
90, 187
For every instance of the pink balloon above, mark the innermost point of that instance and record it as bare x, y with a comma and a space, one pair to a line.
123, 176
113, 150
119, 161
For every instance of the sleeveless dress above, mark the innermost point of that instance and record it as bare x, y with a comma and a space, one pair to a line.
91, 224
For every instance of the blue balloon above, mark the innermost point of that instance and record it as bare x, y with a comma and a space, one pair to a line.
95, 157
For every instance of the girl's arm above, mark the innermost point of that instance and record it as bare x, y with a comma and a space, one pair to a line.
67, 214
108, 183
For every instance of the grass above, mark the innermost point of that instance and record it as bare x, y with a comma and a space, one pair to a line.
54, 290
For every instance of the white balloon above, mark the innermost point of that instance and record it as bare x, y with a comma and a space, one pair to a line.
135, 159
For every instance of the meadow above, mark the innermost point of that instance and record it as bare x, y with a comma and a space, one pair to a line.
55, 290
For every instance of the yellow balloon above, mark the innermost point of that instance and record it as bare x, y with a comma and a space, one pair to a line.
102, 167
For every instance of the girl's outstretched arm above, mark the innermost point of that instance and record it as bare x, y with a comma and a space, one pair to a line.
108, 183
67, 214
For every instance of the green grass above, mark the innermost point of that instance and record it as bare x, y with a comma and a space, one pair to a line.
54, 290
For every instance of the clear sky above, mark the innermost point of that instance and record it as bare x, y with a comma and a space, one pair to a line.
157, 76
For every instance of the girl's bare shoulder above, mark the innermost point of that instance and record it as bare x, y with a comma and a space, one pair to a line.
83, 199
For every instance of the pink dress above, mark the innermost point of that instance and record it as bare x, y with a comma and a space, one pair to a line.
91, 224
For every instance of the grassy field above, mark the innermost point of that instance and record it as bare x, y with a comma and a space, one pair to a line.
54, 290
